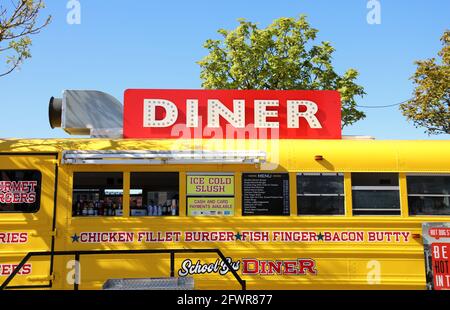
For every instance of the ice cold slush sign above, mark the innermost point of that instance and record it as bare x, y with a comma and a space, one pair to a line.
232, 114
207, 185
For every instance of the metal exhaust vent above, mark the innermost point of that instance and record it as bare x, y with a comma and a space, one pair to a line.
55, 112
87, 112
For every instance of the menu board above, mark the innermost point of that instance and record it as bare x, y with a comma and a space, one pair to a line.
265, 194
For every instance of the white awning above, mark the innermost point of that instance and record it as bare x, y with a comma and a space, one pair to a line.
162, 157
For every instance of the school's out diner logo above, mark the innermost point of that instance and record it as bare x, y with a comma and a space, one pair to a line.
250, 266
232, 114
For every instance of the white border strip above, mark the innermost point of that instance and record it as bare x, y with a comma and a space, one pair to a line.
376, 188
428, 174
429, 195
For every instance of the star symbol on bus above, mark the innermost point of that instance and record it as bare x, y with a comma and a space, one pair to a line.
238, 236
320, 237
75, 238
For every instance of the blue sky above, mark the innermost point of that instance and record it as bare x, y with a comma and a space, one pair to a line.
155, 44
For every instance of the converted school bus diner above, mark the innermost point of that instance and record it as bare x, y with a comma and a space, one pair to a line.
183, 187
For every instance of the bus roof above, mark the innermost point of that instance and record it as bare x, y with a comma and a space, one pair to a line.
292, 155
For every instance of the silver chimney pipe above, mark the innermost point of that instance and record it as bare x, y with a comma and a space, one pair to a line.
87, 112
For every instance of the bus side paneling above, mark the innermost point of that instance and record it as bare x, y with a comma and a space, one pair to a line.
365, 264
354, 264
24, 232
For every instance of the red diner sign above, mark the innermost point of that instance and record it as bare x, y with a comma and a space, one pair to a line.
440, 258
232, 114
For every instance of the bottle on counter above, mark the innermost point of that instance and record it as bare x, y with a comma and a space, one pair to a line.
159, 210
113, 210
150, 209
96, 208
84, 208
101, 209
90, 211
78, 208
174, 207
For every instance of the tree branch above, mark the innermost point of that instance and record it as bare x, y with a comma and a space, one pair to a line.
15, 65
16, 29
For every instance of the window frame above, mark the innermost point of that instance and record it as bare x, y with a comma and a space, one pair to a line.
379, 188
123, 189
178, 173
319, 174
424, 195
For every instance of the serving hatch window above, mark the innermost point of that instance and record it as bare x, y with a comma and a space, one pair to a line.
428, 194
97, 194
375, 194
20, 191
154, 194
320, 194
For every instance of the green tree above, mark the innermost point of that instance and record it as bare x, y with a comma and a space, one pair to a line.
18, 22
281, 56
429, 107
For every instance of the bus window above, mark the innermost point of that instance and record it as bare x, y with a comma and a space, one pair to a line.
154, 193
97, 194
320, 194
428, 195
375, 194
20, 191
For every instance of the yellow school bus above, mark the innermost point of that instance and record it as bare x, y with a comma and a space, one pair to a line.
286, 214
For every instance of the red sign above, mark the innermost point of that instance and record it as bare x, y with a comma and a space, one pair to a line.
439, 232
18, 192
440, 253
300, 266
232, 114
